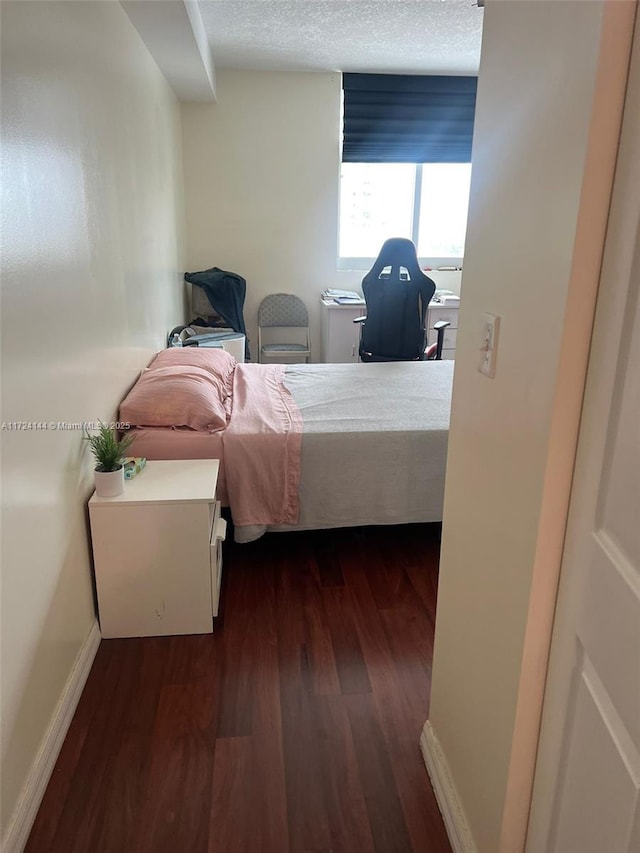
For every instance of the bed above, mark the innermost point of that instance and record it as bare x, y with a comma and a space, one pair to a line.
306, 446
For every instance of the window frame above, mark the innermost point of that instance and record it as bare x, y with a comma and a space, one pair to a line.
348, 262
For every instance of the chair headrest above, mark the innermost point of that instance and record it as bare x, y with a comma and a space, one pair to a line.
397, 253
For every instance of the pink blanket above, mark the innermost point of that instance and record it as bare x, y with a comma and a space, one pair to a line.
262, 447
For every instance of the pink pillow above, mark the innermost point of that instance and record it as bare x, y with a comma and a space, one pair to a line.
216, 361
176, 396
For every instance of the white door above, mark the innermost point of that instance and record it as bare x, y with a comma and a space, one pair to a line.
586, 795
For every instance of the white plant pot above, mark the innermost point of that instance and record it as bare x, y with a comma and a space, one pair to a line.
109, 484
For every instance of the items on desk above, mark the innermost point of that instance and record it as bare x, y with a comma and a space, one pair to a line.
133, 465
343, 297
446, 297
442, 269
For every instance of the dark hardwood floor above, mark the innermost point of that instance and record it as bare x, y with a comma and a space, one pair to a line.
292, 729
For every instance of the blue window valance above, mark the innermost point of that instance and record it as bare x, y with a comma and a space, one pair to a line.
398, 118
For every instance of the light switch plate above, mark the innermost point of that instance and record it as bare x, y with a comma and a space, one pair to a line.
489, 344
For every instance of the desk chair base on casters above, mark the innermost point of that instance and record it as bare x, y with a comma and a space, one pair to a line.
431, 353
283, 311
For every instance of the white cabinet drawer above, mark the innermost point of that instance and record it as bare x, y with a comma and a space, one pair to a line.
218, 535
340, 335
444, 313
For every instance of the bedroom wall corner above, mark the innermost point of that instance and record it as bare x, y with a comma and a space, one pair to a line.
92, 263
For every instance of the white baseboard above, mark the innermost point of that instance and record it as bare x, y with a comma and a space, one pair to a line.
454, 817
45, 760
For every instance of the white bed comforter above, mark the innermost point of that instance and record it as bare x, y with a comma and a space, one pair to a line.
374, 443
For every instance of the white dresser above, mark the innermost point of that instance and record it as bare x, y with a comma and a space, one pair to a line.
231, 342
157, 551
437, 312
340, 335
234, 345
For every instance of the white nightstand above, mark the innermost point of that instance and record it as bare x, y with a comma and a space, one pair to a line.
157, 551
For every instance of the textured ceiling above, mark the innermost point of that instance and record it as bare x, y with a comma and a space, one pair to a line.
393, 36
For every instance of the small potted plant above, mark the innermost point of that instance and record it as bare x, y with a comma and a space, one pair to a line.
109, 452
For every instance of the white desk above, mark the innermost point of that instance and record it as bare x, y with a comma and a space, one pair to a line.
340, 335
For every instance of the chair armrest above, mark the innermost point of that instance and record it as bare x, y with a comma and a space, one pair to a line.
440, 326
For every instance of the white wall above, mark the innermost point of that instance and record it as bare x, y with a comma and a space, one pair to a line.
91, 280
544, 149
261, 185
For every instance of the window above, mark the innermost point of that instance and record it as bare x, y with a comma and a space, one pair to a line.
426, 202
406, 165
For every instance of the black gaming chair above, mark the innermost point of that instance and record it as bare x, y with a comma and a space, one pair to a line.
397, 294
